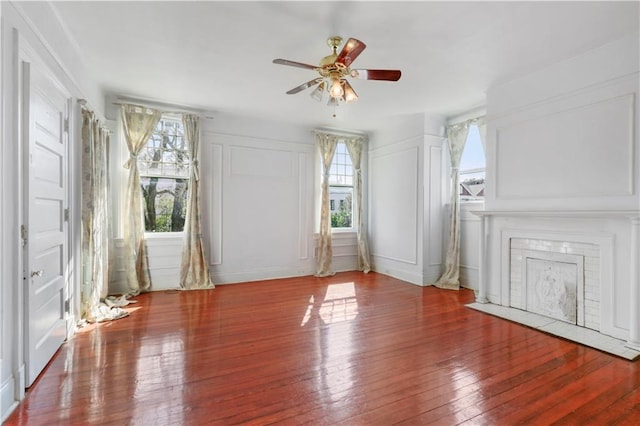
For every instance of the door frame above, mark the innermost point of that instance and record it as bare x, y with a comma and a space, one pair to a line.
28, 56
21, 39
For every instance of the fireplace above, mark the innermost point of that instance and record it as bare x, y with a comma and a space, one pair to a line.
557, 279
573, 274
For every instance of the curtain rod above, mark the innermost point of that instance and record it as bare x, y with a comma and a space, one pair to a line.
161, 106
469, 116
85, 106
341, 132
468, 121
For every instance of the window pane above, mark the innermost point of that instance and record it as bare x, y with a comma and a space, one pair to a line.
164, 168
341, 188
473, 154
165, 202
155, 141
472, 167
167, 146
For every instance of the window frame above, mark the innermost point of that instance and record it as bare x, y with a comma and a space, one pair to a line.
167, 234
461, 172
352, 228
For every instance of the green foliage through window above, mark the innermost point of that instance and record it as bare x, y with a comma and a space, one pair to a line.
342, 218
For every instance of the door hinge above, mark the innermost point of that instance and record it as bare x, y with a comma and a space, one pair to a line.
66, 124
67, 305
66, 215
23, 235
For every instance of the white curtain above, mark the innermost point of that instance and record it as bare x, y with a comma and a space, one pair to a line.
482, 130
327, 146
138, 124
457, 137
194, 269
95, 222
355, 146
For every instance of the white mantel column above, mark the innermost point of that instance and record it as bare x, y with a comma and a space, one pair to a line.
481, 296
634, 326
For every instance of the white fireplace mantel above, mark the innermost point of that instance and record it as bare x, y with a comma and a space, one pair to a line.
539, 220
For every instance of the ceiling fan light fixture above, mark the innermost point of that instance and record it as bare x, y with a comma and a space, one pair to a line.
350, 95
336, 91
318, 92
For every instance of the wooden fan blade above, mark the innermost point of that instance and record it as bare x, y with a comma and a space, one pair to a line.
294, 64
389, 75
350, 51
304, 86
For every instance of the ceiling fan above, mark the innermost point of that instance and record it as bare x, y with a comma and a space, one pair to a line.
334, 70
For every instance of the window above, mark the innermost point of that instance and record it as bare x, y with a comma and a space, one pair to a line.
472, 167
164, 176
341, 188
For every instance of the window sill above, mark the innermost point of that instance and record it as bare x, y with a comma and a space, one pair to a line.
163, 235
472, 202
339, 234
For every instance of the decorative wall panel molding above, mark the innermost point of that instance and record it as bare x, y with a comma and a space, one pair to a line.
434, 199
269, 163
394, 208
303, 214
212, 179
582, 152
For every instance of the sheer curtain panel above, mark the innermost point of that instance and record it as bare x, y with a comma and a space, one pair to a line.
327, 146
138, 124
482, 130
355, 146
194, 269
95, 222
450, 279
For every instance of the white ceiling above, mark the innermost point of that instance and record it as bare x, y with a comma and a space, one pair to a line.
217, 56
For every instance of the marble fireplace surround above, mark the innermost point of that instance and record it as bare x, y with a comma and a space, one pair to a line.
545, 255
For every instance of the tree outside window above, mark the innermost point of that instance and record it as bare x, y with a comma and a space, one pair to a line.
164, 176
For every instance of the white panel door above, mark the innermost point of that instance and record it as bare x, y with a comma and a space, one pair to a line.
45, 109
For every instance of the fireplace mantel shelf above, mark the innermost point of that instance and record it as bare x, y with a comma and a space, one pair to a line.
559, 213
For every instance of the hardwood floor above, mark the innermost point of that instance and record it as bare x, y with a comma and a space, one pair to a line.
351, 349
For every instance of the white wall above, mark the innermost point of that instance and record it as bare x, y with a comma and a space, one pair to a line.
30, 32
258, 188
563, 142
259, 184
406, 165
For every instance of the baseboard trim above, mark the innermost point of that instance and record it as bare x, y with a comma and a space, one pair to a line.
11, 393
239, 277
410, 277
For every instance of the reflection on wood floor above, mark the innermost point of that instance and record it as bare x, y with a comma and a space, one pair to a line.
350, 349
